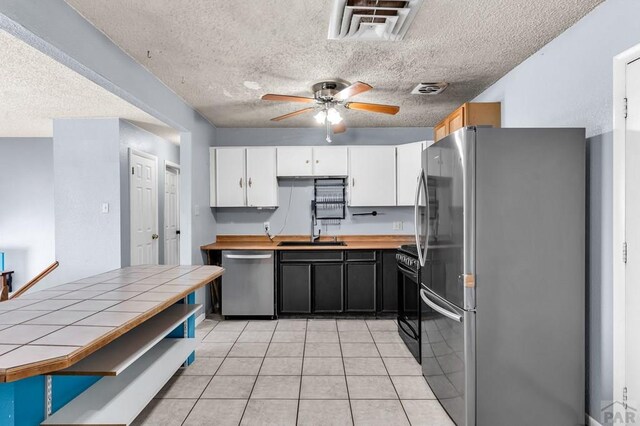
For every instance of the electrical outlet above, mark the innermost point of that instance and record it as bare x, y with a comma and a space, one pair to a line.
397, 226
267, 227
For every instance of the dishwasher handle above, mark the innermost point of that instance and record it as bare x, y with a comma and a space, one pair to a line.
248, 256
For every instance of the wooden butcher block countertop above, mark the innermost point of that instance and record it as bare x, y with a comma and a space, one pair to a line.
353, 242
49, 330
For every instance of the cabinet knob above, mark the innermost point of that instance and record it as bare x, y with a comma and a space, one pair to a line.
317, 161
307, 162
250, 182
240, 182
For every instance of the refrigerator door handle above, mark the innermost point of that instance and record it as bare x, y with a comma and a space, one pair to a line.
425, 298
417, 230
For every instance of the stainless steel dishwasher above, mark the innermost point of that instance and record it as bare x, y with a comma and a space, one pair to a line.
248, 283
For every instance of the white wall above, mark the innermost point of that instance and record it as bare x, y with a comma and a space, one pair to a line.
86, 174
293, 216
568, 83
26, 215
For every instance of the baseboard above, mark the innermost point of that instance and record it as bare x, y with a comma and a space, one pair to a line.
591, 421
200, 318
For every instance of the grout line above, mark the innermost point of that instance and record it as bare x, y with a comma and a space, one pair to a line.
214, 374
304, 349
346, 383
390, 379
257, 374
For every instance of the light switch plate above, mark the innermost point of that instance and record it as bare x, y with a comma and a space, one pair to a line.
397, 226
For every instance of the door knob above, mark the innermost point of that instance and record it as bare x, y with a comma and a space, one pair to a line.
155, 236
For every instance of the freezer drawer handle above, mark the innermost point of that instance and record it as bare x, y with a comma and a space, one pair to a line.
248, 256
425, 297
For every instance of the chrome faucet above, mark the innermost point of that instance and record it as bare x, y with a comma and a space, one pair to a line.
314, 237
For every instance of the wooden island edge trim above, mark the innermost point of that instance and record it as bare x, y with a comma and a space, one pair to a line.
62, 362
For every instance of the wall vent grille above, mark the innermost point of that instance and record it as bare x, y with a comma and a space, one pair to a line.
384, 20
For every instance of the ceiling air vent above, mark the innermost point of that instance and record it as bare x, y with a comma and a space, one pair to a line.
429, 88
385, 20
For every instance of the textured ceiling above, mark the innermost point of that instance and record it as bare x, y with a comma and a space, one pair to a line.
221, 56
35, 88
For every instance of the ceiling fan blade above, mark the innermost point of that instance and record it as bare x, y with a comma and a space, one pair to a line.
293, 114
353, 90
339, 128
287, 98
384, 109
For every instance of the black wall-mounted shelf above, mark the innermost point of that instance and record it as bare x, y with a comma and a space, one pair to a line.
329, 198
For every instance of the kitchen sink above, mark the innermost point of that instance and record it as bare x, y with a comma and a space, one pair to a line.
309, 243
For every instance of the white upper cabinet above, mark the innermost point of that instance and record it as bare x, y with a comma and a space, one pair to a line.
409, 164
372, 176
230, 177
241, 177
301, 161
295, 161
262, 183
330, 161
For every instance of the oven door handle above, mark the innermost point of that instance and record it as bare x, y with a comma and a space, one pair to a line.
409, 272
451, 315
402, 322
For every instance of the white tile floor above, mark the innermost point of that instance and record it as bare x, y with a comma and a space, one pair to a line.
297, 372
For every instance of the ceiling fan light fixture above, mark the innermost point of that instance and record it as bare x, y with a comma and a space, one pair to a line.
320, 117
334, 116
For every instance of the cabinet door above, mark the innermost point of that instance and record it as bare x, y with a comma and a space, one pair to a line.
328, 287
330, 161
212, 177
440, 131
389, 283
455, 121
230, 177
361, 287
262, 183
409, 164
295, 288
372, 176
295, 161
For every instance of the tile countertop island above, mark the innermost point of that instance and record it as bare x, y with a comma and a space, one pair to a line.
44, 332
352, 242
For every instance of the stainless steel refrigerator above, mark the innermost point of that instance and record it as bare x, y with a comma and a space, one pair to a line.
500, 226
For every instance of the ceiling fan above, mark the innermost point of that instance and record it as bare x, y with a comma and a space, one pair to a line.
328, 96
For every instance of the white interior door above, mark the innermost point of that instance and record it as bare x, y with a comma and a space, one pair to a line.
171, 217
144, 208
632, 234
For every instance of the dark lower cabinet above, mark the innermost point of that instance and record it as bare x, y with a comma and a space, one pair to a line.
388, 285
361, 287
328, 287
334, 282
295, 288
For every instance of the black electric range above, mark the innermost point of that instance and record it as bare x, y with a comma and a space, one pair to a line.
409, 298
